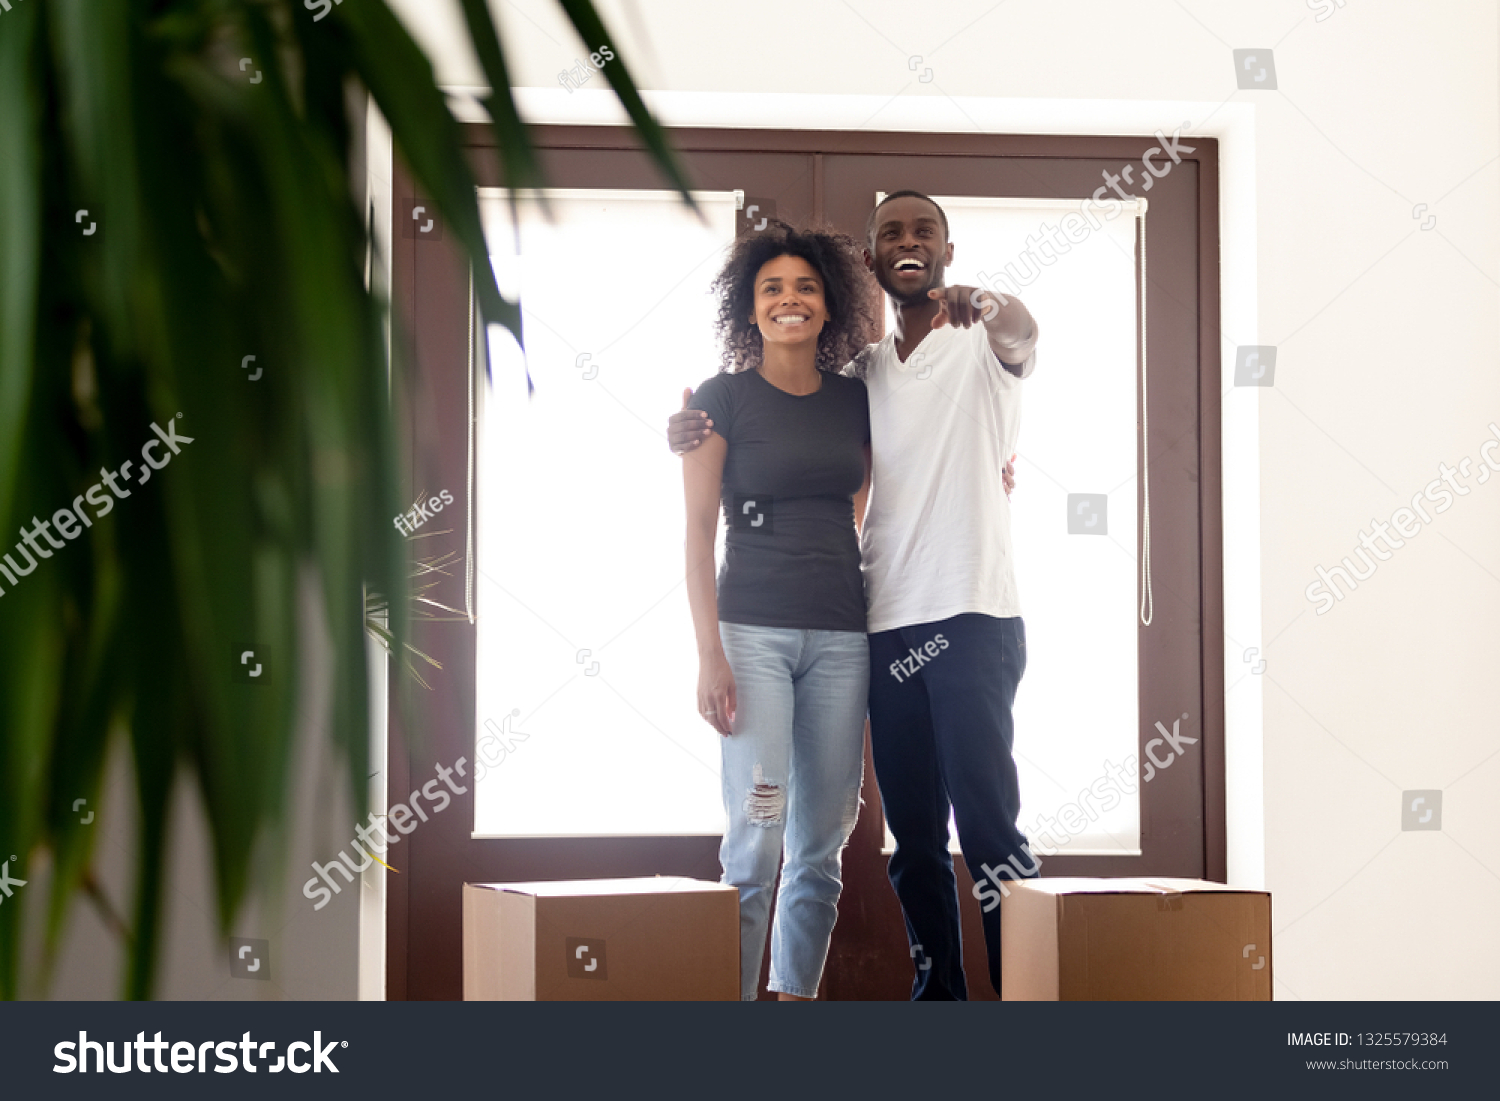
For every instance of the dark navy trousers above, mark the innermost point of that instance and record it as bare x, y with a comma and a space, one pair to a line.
941, 730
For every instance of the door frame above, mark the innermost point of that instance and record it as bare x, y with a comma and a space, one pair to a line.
429, 290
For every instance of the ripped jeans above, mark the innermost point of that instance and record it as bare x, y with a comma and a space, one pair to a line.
792, 774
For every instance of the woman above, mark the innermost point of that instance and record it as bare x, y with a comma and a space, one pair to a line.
784, 663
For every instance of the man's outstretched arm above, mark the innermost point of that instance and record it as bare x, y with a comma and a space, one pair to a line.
1008, 324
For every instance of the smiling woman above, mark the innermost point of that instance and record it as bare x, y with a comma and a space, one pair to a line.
783, 661
846, 292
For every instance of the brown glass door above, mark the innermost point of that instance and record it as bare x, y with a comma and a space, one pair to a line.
832, 177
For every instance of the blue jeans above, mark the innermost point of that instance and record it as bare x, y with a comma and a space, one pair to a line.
792, 774
941, 730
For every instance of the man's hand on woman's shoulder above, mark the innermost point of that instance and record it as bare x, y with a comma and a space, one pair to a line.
688, 428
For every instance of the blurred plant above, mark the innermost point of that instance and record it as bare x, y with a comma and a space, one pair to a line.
175, 197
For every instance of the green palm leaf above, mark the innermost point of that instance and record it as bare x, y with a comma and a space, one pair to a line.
224, 229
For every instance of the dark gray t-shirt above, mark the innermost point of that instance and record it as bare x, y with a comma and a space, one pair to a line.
793, 467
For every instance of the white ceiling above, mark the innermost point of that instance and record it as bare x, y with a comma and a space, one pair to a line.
538, 40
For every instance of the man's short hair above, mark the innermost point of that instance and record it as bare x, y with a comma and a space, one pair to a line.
906, 193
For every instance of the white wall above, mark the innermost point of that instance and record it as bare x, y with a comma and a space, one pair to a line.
1386, 368
314, 955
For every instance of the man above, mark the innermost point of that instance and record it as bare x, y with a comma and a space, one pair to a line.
947, 644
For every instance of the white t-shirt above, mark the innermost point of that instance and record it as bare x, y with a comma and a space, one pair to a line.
936, 538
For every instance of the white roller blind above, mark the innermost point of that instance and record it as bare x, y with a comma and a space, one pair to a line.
587, 664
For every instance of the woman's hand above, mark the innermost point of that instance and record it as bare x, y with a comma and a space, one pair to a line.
716, 693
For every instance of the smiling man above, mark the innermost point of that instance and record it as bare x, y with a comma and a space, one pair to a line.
947, 644
945, 408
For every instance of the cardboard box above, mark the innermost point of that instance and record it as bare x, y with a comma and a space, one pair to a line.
1134, 940
663, 938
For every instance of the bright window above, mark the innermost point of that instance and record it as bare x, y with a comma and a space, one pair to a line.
585, 640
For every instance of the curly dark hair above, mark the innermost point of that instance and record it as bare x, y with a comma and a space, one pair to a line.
849, 292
